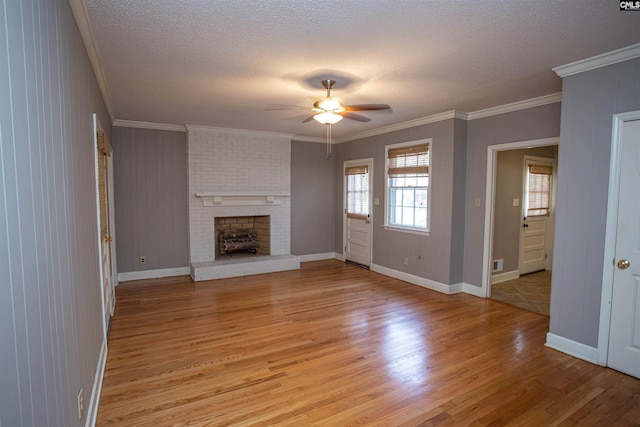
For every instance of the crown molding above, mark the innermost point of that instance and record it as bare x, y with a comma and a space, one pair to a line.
198, 128
303, 138
82, 21
602, 60
515, 106
149, 125
453, 114
456, 114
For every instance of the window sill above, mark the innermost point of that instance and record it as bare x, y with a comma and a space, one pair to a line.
406, 230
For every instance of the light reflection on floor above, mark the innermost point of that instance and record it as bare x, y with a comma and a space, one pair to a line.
405, 350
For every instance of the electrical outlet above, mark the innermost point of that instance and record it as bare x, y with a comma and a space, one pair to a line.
80, 404
477, 201
143, 259
406, 260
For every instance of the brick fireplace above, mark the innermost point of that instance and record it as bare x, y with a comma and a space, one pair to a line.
242, 175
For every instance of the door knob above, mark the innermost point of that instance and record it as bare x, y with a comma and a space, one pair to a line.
525, 225
623, 264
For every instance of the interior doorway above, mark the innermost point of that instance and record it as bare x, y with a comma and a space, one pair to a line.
512, 206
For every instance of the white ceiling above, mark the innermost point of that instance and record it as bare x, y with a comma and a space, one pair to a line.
221, 63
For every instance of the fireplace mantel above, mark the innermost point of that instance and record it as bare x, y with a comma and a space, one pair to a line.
241, 199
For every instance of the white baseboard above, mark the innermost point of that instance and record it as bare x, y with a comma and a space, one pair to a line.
455, 288
473, 290
339, 257
503, 277
572, 348
153, 274
429, 284
318, 257
92, 411
417, 280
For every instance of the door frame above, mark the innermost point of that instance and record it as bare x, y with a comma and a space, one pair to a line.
490, 188
347, 163
112, 229
618, 121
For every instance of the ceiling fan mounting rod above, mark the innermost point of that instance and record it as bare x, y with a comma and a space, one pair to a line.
328, 85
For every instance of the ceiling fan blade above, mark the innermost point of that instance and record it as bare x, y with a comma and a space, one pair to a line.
308, 119
366, 107
353, 116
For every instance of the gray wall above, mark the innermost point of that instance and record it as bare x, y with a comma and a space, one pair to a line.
313, 199
438, 256
589, 100
50, 304
150, 180
529, 124
508, 218
459, 172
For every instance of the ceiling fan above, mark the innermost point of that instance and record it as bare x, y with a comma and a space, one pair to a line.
329, 111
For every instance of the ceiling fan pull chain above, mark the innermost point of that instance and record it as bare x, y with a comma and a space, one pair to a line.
329, 141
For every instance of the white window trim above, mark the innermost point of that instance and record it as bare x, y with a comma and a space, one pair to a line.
387, 212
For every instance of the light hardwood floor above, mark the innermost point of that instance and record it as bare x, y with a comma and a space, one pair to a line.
334, 345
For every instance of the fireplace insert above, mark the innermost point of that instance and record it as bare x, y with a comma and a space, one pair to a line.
239, 241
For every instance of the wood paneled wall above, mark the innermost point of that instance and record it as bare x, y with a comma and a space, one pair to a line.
589, 101
51, 330
435, 256
523, 125
150, 180
313, 199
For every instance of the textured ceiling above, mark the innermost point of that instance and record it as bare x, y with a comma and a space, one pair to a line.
221, 63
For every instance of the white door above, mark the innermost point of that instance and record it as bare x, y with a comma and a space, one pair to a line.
624, 332
535, 213
357, 213
532, 244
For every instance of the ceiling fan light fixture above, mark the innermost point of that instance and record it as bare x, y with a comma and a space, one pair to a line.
330, 104
328, 118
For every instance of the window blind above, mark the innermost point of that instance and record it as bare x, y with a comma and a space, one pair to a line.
540, 170
104, 150
103, 143
357, 191
539, 182
356, 170
408, 160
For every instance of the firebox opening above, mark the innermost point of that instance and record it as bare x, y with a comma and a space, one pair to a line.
242, 236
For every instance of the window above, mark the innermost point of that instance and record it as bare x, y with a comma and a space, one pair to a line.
357, 191
538, 190
408, 186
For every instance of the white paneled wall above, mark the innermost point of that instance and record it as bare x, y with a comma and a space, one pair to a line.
237, 162
51, 332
